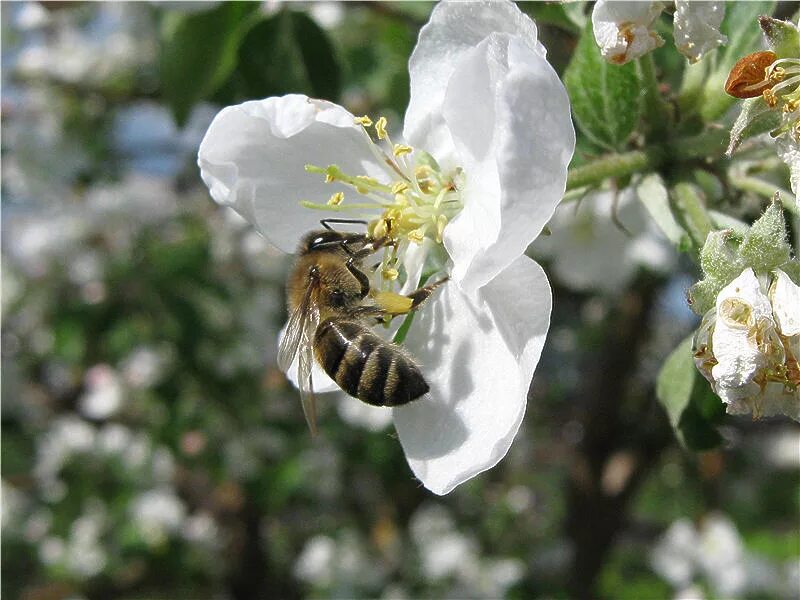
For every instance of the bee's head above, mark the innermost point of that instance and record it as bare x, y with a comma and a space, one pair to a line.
322, 240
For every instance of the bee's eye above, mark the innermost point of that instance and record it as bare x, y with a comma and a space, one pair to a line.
337, 298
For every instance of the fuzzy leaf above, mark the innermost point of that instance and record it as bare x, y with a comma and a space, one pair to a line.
605, 98
765, 246
755, 118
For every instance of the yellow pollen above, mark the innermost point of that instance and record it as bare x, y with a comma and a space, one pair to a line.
777, 75
336, 199
401, 149
770, 98
365, 121
390, 273
417, 235
380, 128
329, 178
399, 187
791, 106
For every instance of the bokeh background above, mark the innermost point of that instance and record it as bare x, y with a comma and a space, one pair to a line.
150, 446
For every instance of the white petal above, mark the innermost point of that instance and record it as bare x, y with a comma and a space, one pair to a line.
254, 154
786, 304
789, 150
453, 29
697, 27
478, 354
515, 162
738, 356
624, 30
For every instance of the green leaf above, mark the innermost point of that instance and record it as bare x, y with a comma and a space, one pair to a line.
693, 409
289, 52
198, 53
654, 196
744, 34
676, 381
755, 118
605, 98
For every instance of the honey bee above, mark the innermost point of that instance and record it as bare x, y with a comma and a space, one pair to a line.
331, 304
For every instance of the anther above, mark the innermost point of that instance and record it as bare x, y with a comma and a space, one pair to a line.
336, 199
401, 149
380, 128
364, 121
770, 98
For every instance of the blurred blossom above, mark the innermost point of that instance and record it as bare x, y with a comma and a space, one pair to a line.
111, 45
85, 556
158, 513
341, 564
144, 367
781, 448
714, 553
68, 435
316, 562
588, 250
146, 135
201, 528
327, 14
103, 393
32, 15
11, 504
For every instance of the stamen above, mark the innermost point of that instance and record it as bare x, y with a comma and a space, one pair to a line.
770, 98
336, 199
380, 128
401, 149
364, 121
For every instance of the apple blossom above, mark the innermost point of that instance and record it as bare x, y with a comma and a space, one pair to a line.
478, 172
748, 345
625, 30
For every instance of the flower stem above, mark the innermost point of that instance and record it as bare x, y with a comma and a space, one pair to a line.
693, 212
612, 165
656, 111
748, 183
710, 143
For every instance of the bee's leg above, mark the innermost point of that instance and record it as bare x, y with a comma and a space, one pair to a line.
396, 304
419, 296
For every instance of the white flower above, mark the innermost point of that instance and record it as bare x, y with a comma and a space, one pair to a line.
788, 147
625, 30
749, 344
158, 513
104, 393
488, 134
714, 550
697, 28
601, 243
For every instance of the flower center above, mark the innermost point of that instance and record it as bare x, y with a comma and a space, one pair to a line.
418, 201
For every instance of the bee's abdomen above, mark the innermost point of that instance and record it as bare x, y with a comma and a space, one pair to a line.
365, 366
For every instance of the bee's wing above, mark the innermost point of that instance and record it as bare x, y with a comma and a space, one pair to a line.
297, 344
307, 397
297, 330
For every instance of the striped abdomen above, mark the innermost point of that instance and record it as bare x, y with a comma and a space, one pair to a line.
365, 366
